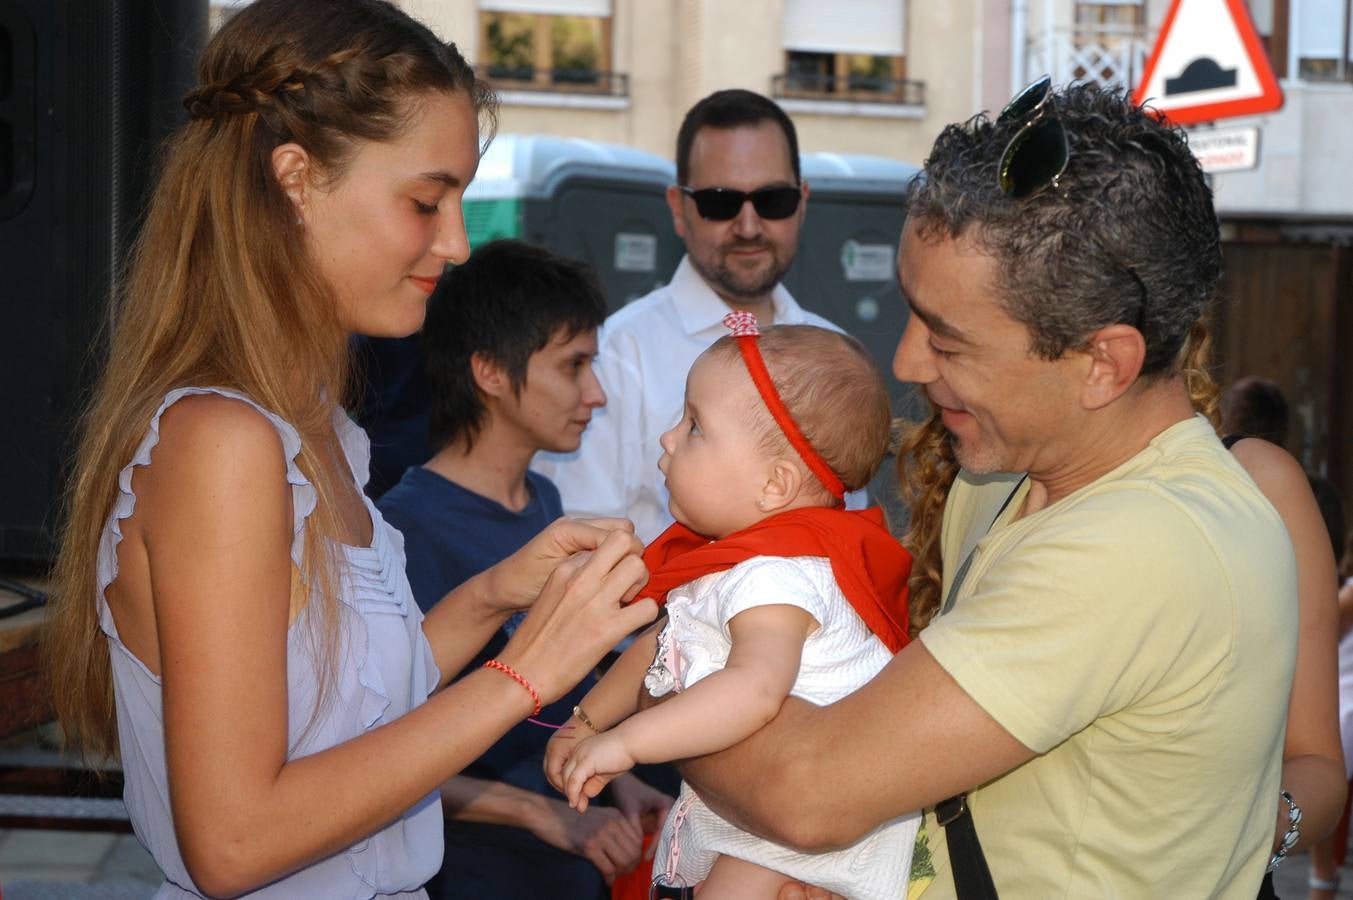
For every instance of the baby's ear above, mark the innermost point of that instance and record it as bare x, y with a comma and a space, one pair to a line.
784, 482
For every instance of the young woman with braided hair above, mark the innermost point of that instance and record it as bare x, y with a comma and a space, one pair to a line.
232, 616
1313, 772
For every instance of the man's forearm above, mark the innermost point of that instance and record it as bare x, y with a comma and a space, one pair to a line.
822, 777
469, 799
751, 784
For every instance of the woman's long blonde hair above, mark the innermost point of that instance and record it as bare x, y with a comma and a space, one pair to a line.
927, 467
221, 289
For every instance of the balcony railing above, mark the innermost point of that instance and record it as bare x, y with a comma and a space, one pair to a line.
579, 81
852, 88
1111, 57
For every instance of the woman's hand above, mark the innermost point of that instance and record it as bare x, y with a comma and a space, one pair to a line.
467, 617
582, 611
517, 581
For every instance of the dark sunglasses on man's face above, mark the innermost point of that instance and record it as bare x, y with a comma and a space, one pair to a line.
1038, 153
721, 204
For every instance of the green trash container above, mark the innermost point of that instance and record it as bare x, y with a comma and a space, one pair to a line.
604, 204
846, 270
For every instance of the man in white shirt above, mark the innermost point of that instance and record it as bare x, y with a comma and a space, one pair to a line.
738, 205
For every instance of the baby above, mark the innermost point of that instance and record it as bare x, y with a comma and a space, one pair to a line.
772, 589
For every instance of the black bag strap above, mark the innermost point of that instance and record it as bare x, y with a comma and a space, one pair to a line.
962, 572
972, 877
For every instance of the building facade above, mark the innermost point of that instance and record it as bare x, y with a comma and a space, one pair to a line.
858, 76
882, 77
1287, 219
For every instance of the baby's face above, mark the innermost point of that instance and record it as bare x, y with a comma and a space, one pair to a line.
712, 458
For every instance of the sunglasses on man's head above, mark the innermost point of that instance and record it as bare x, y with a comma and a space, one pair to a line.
1037, 155
721, 204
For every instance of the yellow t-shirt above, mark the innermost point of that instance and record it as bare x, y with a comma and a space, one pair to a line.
1139, 635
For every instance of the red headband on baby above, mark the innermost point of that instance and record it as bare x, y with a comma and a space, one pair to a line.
745, 332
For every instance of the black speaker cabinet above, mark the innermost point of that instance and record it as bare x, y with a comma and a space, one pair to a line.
88, 90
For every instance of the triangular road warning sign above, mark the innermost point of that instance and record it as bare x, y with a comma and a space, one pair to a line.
1208, 64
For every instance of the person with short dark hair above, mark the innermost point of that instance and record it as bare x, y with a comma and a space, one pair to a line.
738, 204
732, 108
493, 315
507, 351
1255, 407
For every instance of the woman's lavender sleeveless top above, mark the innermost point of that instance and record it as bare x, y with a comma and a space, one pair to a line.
385, 668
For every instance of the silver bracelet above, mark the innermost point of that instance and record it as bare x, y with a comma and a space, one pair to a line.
1293, 833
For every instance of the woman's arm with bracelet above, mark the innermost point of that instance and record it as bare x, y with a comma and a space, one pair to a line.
465, 619
1313, 763
214, 513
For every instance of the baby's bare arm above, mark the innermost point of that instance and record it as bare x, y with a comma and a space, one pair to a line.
729, 705
616, 696
610, 701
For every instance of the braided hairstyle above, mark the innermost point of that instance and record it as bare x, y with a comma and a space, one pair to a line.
326, 75
926, 469
222, 289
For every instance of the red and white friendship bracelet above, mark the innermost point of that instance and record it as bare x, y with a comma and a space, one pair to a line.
512, 673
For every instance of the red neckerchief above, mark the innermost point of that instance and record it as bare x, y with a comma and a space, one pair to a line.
870, 566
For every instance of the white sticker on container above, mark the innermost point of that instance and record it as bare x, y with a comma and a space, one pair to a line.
867, 262
636, 252
866, 309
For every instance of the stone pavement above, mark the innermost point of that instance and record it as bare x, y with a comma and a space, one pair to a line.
72, 865
67, 865
75, 865
84, 865
1290, 880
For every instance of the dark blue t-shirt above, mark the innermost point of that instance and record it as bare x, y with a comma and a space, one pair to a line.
450, 534
392, 407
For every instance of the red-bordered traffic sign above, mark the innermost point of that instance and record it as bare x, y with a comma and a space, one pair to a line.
1208, 63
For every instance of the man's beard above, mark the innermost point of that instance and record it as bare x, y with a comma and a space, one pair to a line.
731, 282
978, 457
978, 460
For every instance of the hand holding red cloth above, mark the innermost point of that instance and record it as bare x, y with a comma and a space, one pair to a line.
870, 566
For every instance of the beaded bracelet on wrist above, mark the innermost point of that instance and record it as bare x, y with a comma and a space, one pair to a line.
512, 673
1291, 836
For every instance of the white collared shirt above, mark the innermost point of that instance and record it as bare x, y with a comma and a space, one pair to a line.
644, 352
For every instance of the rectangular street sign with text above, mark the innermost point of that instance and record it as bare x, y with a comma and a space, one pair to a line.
1226, 149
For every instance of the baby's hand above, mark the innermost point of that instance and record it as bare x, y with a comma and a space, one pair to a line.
560, 748
594, 762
